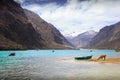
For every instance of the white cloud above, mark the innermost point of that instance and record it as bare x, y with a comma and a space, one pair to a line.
20, 1
79, 16
34, 7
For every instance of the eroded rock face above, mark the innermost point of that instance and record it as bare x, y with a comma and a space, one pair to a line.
18, 31
52, 37
15, 29
107, 38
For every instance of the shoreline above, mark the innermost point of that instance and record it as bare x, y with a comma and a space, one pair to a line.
108, 60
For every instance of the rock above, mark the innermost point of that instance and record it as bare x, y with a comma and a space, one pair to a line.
107, 38
18, 31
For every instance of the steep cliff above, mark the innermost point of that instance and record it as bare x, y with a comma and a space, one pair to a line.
18, 31
107, 38
51, 36
15, 30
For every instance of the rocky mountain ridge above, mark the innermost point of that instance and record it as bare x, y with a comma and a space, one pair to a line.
52, 37
107, 38
18, 32
83, 39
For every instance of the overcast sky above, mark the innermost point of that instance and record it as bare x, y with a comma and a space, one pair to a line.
76, 15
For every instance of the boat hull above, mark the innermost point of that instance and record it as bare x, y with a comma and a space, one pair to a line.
83, 58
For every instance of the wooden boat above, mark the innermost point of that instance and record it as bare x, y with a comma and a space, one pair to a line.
12, 54
83, 58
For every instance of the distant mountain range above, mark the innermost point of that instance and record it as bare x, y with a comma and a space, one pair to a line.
107, 38
18, 31
82, 40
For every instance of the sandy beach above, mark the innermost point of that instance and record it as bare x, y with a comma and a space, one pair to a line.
107, 60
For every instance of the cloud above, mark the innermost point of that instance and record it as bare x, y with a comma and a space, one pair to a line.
79, 15
20, 1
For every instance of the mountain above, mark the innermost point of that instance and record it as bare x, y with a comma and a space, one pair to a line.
107, 38
16, 32
83, 40
19, 32
52, 37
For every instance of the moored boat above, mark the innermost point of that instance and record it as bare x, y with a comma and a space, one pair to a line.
83, 58
12, 54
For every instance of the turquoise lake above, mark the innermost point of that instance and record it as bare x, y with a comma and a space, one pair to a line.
56, 65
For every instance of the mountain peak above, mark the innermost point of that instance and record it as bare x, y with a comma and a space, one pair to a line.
83, 39
8, 3
38, 34
87, 33
107, 38
91, 32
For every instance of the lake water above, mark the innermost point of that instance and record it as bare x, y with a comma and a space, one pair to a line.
56, 65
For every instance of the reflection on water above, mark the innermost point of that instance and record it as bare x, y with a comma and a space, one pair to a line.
55, 68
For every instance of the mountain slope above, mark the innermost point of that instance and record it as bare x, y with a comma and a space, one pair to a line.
16, 32
83, 40
107, 38
52, 37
